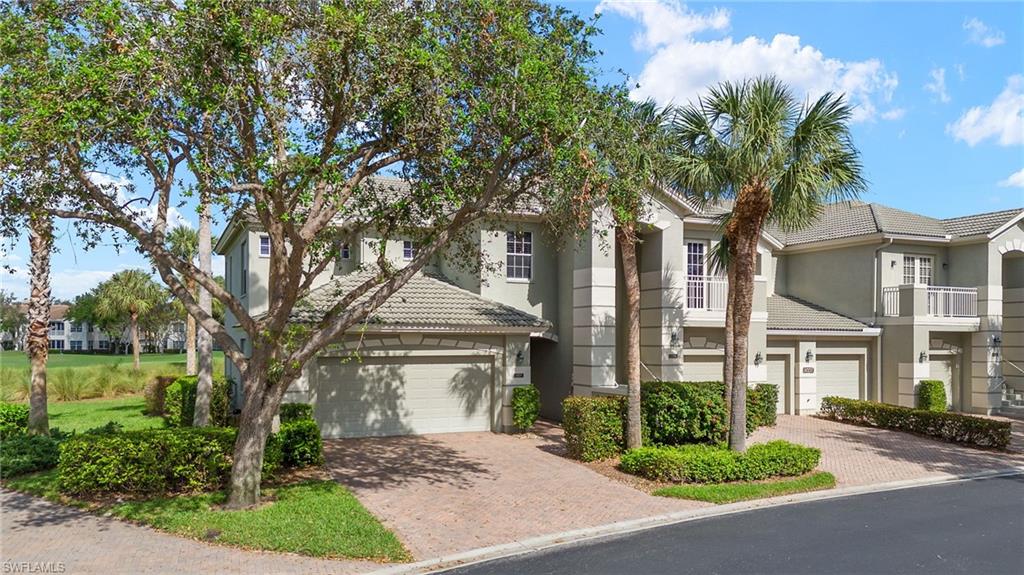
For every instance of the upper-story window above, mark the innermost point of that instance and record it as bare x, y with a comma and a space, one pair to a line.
76, 327
917, 270
408, 250
264, 246
695, 271
519, 255
56, 327
346, 252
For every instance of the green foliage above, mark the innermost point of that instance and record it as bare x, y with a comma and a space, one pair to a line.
525, 406
156, 461
22, 453
711, 464
13, 419
180, 402
741, 491
674, 413
296, 411
301, 445
952, 427
762, 402
931, 395
129, 293
155, 393
594, 426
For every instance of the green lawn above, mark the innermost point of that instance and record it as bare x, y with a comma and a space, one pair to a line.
742, 491
88, 414
57, 360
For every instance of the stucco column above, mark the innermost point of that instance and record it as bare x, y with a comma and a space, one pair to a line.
662, 301
807, 400
758, 340
910, 344
593, 300
985, 353
515, 372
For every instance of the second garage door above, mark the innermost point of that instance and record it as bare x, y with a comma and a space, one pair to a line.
839, 375
703, 368
403, 396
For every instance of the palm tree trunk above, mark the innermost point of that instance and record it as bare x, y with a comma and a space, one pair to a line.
730, 337
627, 244
204, 387
135, 339
190, 335
38, 337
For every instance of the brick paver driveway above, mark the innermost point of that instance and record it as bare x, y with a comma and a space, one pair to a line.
454, 492
864, 455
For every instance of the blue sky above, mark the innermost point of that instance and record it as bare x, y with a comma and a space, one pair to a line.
939, 89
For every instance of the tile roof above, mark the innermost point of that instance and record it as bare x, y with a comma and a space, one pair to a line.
794, 314
979, 223
426, 300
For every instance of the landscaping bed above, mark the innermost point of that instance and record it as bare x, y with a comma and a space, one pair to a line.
746, 490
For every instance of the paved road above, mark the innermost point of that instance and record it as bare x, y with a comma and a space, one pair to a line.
970, 527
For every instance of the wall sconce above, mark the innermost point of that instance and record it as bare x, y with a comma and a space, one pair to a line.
923, 357
892, 264
809, 357
519, 357
758, 358
674, 340
996, 341
945, 265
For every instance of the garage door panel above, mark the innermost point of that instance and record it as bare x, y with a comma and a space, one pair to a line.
839, 375
404, 396
697, 368
778, 375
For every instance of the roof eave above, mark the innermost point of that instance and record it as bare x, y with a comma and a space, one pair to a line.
1012, 222
866, 331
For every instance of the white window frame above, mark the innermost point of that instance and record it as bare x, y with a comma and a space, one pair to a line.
244, 272
260, 246
103, 345
408, 250
696, 285
76, 345
913, 268
519, 256
346, 251
57, 344
76, 327
56, 326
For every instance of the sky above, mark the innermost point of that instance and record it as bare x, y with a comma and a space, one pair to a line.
938, 90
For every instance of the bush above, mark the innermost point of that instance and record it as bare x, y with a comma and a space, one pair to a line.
525, 406
952, 427
13, 419
593, 426
155, 393
152, 461
21, 453
762, 400
180, 402
674, 413
711, 464
295, 411
301, 445
931, 395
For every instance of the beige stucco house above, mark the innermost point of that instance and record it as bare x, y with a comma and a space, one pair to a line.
864, 303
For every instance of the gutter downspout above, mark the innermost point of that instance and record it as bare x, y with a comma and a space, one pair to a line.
875, 273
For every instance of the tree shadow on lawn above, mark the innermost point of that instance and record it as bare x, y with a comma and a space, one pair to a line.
395, 462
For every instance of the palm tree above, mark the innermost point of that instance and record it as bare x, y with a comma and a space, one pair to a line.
183, 243
779, 161
37, 341
204, 387
632, 153
129, 293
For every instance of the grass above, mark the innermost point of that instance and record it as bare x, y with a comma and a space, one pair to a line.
58, 360
318, 518
80, 416
742, 491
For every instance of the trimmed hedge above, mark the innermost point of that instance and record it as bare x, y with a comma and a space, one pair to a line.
155, 394
301, 445
593, 426
710, 464
21, 453
153, 461
762, 401
952, 427
295, 411
180, 402
525, 406
931, 395
13, 419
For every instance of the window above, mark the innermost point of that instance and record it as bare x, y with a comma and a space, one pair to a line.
917, 270
76, 346
244, 280
104, 344
408, 250
56, 327
264, 246
90, 328
346, 252
57, 344
76, 328
695, 266
519, 255
241, 345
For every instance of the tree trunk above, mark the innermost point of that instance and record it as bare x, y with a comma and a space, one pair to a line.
204, 388
730, 338
627, 244
190, 336
262, 402
135, 339
38, 338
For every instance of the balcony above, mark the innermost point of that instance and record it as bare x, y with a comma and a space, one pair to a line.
706, 293
941, 301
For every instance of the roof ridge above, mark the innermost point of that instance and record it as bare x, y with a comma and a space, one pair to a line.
983, 214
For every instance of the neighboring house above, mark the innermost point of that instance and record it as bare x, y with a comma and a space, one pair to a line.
865, 303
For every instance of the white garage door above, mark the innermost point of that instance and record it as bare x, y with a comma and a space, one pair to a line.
942, 368
778, 375
697, 368
403, 396
839, 375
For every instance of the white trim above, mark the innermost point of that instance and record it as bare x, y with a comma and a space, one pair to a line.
866, 332
259, 245
1013, 221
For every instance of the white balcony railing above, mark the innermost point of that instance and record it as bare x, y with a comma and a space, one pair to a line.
891, 301
943, 301
706, 293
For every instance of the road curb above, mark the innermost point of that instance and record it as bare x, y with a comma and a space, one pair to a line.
542, 542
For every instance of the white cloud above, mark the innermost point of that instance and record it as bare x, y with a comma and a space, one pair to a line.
938, 84
979, 33
1015, 180
64, 284
961, 72
1002, 121
894, 114
143, 211
681, 67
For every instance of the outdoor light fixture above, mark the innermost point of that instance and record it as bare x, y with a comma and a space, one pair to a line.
519, 357
996, 340
674, 339
809, 357
892, 264
758, 358
923, 357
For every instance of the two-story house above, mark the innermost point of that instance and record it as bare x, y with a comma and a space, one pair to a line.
864, 303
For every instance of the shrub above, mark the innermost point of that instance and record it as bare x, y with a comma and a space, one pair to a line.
931, 395
711, 464
674, 413
67, 385
22, 453
156, 393
295, 411
152, 461
301, 445
762, 400
13, 419
525, 406
180, 402
952, 427
593, 426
